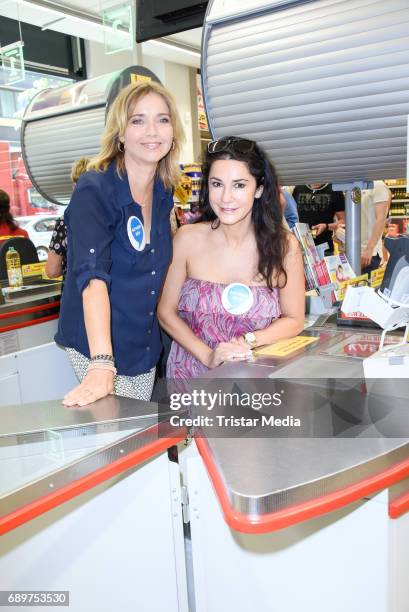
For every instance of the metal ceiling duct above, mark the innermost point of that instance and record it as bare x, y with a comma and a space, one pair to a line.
63, 124
322, 85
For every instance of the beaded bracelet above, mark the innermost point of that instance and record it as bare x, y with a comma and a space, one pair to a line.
109, 358
102, 366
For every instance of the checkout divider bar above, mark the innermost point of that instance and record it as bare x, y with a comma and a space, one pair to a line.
304, 511
31, 309
15, 326
57, 497
399, 506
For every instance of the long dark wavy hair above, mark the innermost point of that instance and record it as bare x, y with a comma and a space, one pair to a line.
266, 216
5, 214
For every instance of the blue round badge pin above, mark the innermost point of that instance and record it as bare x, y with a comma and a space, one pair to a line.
136, 233
237, 298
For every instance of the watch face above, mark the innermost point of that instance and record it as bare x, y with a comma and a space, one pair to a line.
250, 338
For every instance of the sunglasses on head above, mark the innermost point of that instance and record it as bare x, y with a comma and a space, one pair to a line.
240, 145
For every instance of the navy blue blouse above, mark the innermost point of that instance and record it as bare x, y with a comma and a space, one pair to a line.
99, 247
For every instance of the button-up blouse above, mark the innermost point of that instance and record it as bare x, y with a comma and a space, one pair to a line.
99, 246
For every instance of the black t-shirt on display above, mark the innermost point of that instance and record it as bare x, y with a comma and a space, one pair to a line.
319, 206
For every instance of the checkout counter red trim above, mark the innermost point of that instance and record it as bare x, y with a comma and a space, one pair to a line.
36, 303
399, 506
23, 312
301, 512
43, 504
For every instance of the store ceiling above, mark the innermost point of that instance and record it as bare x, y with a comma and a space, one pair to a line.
82, 18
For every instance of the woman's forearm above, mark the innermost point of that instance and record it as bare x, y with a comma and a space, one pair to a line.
97, 317
53, 267
183, 335
284, 327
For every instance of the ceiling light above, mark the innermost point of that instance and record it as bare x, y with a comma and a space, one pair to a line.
173, 47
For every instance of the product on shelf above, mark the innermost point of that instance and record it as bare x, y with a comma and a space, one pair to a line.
186, 196
396, 226
316, 274
339, 270
13, 266
400, 198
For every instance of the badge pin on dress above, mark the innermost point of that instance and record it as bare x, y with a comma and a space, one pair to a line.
136, 233
237, 298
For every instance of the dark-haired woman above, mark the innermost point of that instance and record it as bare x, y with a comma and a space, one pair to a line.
8, 227
236, 280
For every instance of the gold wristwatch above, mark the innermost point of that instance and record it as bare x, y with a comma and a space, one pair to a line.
251, 339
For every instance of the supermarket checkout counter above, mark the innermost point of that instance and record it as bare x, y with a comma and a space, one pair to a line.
85, 506
32, 366
277, 522
312, 518
28, 315
30, 305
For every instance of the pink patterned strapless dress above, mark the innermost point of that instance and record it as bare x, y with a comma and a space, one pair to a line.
200, 306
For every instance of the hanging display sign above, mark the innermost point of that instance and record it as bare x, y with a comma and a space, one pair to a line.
118, 28
203, 125
407, 158
12, 60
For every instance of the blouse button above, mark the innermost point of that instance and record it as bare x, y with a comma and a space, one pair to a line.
152, 250
152, 292
92, 250
153, 272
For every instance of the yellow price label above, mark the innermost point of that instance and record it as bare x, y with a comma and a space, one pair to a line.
377, 277
357, 281
34, 269
285, 347
139, 77
183, 191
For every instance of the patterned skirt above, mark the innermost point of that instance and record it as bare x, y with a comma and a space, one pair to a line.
136, 387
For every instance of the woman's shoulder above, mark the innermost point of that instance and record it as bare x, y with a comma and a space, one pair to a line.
94, 192
100, 175
95, 186
190, 239
92, 178
193, 231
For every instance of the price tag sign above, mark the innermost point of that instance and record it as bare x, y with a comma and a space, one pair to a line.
285, 347
118, 30
12, 60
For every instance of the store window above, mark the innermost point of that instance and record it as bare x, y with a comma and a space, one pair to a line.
45, 225
8, 103
14, 179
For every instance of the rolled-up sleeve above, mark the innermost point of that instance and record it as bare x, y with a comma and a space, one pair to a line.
290, 210
90, 223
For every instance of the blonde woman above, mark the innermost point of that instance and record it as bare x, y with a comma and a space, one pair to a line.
120, 247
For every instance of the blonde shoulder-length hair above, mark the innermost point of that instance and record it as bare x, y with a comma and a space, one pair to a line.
168, 168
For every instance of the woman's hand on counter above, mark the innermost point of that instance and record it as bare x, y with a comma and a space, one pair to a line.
96, 385
228, 351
